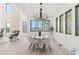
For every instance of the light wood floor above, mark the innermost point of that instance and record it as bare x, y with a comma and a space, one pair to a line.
40, 52
55, 50
21, 48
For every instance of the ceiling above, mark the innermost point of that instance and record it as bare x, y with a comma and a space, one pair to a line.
32, 8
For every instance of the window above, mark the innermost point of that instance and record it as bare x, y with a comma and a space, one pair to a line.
24, 27
68, 20
39, 25
7, 7
33, 25
46, 24
61, 24
57, 24
7, 27
77, 20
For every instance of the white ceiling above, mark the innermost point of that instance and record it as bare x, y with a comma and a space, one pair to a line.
32, 8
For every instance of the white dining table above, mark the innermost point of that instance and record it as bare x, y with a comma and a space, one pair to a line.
40, 37
40, 40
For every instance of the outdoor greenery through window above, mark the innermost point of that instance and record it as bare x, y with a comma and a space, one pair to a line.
57, 24
7, 27
24, 27
77, 21
61, 24
68, 22
33, 25
39, 25
46, 25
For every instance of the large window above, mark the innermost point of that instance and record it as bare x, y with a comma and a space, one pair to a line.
61, 24
77, 20
46, 25
68, 22
7, 27
7, 7
57, 24
24, 27
39, 25
33, 25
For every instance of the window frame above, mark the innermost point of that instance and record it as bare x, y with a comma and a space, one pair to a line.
6, 8
44, 26
6, 26
66, 22
56, 24
31, 30
61, 31
76, 20
23, 27
36, 28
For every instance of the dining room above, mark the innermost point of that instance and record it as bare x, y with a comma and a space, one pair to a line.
36, 29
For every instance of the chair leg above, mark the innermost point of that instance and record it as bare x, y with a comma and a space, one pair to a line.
30, 46
50, 48
33, 47
44, 47
37, 45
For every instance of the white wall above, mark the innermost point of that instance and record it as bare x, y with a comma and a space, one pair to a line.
23, 18
68, 41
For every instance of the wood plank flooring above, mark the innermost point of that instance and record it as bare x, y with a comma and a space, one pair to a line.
21, 48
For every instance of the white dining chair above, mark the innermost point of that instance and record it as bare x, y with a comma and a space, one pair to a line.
46, 42
33, 42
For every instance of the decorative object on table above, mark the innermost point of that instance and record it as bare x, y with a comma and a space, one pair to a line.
39, 33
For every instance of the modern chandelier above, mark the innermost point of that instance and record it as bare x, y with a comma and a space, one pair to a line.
41, 15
